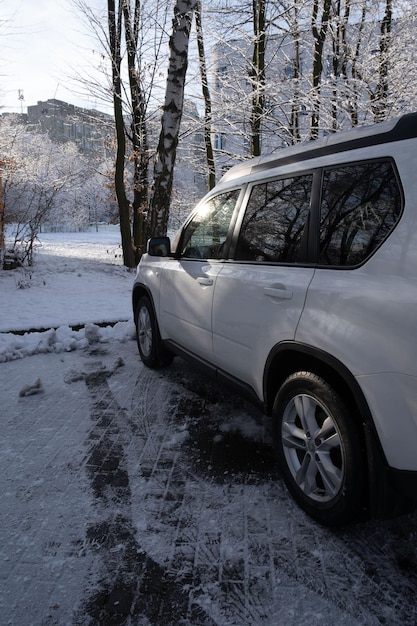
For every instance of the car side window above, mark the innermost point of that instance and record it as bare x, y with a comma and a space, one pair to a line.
205, 235
360, 205
274, 221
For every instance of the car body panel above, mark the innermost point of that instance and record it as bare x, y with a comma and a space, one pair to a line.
254, 308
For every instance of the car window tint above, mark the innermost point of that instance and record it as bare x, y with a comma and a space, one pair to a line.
205, 235
360, 205
274, 221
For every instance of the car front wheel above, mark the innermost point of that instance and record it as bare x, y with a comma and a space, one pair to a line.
319, 448
151, 350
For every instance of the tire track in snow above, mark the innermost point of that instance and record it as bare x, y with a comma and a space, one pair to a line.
368, 571
199, 529
133, 588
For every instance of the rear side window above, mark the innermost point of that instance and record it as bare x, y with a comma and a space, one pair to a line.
360, 205
274, 220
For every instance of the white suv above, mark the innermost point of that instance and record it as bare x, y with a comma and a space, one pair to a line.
296, 279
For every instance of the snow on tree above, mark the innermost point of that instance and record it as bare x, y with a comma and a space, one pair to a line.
171, 118
45, 185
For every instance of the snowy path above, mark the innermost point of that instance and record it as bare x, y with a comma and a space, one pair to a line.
148, 498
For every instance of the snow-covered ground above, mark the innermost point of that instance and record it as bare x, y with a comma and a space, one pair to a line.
77, 279
148, 498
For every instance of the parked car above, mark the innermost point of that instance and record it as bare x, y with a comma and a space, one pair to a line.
295, 278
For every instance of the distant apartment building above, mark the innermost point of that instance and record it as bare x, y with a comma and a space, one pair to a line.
89, 129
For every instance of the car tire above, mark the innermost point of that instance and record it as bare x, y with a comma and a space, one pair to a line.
151, 350
319, 449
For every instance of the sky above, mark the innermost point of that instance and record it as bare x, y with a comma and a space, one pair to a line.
43, 43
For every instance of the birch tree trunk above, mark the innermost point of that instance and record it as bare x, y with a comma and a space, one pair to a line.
171, 118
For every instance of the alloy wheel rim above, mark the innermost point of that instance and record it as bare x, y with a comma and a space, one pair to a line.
313, 448
145, 331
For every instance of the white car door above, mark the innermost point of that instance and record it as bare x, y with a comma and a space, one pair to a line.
188, 281
187, 288
260, 295
254, 309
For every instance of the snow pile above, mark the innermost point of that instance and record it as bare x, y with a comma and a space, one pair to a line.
62, 339
31, 389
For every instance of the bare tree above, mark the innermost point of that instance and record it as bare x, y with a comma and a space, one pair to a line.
139, 130
338, 33
379, 99
257, 75
355, 72
296, 76
402, 66
211, 169
288, 20
115, 37
132, 41
319, 26
171, 117
39, 177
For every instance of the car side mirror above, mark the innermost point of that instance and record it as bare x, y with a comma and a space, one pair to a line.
159, 246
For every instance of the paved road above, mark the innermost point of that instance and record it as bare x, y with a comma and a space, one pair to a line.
152, 498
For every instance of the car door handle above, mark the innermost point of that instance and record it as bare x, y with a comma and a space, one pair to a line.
204, 281
278, 292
